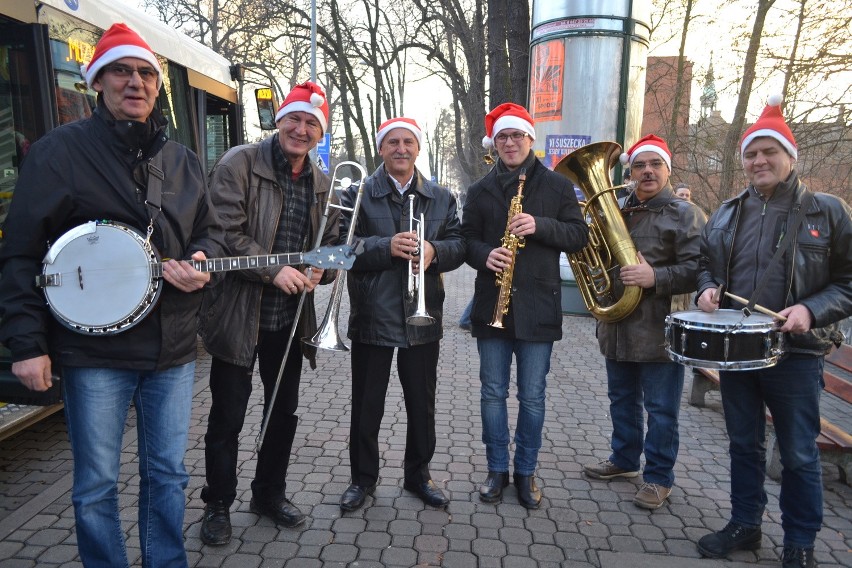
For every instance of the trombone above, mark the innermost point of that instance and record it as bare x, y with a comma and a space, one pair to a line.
416, 283
327, 335
342, 183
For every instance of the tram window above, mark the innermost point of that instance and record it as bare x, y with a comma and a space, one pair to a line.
175, 105
218, 129
17, 117
73, 100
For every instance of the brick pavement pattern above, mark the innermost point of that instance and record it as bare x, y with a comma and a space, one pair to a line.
582, 522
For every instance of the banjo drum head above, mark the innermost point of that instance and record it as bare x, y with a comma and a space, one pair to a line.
107, 278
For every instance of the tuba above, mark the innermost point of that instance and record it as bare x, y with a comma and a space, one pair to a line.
610, 245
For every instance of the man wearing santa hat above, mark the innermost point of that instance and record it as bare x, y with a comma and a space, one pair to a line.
789, 250
381, 308
271, 199
666, 231
550, 222
118, 165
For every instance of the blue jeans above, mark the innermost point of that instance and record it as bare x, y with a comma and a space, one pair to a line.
656, 387
464, 320
96, 405
791, 390
495, 361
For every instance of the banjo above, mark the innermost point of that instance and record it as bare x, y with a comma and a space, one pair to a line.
104, 277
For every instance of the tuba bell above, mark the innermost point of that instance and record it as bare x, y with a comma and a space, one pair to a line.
610, 246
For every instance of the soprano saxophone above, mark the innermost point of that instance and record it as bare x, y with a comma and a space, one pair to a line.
513, 243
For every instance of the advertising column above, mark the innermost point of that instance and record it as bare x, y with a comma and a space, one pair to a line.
587, 73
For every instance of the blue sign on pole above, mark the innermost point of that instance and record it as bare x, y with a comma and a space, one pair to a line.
324, 152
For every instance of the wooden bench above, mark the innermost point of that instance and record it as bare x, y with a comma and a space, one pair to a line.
834, 443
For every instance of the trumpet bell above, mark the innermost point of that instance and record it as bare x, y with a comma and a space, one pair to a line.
420, 319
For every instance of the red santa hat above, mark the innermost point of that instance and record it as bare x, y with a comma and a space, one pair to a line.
771, 124
307, 97
400, 122
507, 115
119, 42
649, 143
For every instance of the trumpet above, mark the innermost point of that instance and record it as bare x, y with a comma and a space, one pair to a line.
416, 283
324, 335
328, 335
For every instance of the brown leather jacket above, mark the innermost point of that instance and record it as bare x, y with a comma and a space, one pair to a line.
667, 231
248, 200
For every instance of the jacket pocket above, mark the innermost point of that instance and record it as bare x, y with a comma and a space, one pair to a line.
547, 298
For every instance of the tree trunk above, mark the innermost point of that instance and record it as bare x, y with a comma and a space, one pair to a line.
498, 56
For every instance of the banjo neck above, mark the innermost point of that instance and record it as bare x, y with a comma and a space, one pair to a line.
240, 262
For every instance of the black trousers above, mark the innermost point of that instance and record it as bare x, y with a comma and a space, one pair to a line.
231, 387
418, 373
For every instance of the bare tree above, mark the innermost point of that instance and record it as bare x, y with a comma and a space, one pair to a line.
452, 37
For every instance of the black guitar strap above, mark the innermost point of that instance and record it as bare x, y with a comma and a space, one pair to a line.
153, 199
785, 243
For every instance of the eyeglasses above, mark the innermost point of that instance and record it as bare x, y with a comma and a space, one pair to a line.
294, 120
515, 136
147, 74
655, 165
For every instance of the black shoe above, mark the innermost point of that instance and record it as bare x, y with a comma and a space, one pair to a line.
280, 510
798, 558
216, 524
491, 489
732, 537
354, 496
430, 493
528, 494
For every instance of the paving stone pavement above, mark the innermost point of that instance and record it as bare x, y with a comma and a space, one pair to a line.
582, 522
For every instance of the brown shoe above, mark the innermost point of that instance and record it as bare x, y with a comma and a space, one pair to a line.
605, 469
651, 496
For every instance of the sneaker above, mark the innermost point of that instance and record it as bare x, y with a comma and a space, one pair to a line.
798, 558
651, 496
733, 537
605, 469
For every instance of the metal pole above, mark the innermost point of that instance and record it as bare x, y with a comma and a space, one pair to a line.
312, 153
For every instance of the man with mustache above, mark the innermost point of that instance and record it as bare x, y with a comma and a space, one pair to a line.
666, 231
271, 199
381, 306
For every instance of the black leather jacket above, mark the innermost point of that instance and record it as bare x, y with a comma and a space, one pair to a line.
818, 273
378, 282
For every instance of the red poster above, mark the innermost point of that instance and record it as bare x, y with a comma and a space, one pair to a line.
546, 81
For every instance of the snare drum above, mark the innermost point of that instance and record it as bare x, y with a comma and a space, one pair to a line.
724, 339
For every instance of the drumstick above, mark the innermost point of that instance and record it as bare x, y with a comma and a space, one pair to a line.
757, 307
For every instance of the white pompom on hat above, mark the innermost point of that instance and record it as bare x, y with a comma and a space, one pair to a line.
771, 124
399, 122
118, 42
649, 143
307, 97
507, 115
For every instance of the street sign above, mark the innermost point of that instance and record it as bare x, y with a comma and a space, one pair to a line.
324, 152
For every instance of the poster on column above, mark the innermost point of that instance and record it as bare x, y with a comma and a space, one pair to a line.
548, 71
557, 146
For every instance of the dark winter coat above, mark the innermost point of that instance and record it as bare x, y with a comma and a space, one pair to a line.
378, 282
81, 172
535, 309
